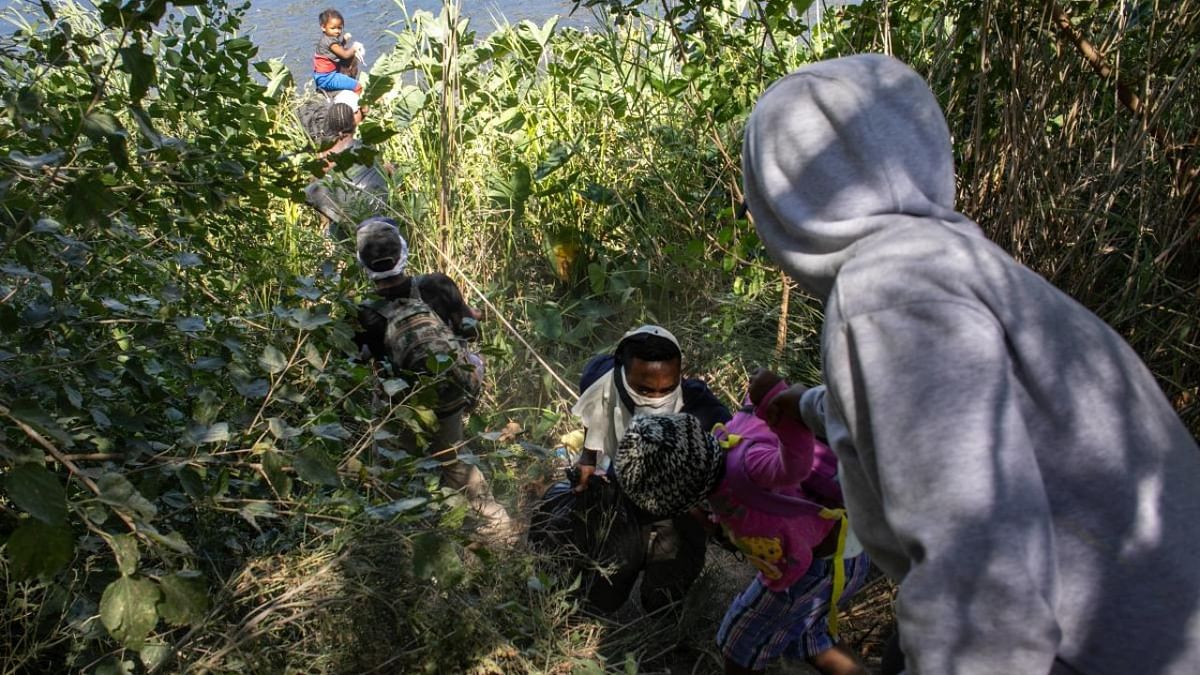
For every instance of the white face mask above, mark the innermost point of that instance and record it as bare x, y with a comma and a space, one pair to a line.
664, 405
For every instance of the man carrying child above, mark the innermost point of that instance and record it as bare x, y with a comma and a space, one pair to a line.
403, 330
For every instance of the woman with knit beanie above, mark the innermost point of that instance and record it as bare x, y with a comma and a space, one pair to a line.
775, 495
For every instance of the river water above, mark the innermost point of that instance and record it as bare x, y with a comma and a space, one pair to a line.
288, 29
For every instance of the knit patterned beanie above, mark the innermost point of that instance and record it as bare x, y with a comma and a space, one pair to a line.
667, 464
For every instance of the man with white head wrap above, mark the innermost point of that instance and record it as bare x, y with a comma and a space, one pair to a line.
1005, 455
642, 377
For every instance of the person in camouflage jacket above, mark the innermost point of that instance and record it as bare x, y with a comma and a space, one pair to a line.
403, 331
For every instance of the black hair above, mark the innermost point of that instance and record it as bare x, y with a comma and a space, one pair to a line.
647, 347
328, 14
339, 120
436, 290
444, 298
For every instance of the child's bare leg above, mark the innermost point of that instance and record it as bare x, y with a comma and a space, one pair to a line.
838, 660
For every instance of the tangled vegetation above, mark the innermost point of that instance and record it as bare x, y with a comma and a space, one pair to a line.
197, 473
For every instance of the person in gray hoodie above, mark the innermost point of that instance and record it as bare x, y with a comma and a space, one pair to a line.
1005, 455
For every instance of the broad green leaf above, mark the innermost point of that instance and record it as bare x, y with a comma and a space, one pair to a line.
206, 433
594, 192
155, 655
119, 493
125, 548
255, 510
586, 667
146, 127
280, 429
272, 464
548, 323
184, 598
332, 431
454, 518
427, 417
272, 360
171, 540
558, 156
306, 320
596, 277
36, 549
192, 483
209, 363
112, 666
114, 305
373, 133
512, 192
38, 491
36, 162
140, 67
31, 412
395, 508
435, 557
254, 389
127, 610
277, 75
315, 467
313, 356
190, 324
394, 386
378, 86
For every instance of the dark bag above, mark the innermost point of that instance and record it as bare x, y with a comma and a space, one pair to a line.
596, 533
312, 112
407, 334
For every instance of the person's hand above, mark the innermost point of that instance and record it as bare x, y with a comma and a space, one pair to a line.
761, 382
357, 48
785, 406
585, 474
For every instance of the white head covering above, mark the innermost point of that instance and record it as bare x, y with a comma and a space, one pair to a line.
382, 251
348, 97
605, 418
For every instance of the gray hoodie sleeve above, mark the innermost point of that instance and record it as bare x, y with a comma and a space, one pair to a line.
929, 413
812, 410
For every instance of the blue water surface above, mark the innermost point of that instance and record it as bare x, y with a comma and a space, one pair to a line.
288, 29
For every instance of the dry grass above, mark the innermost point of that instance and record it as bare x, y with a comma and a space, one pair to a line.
351, 604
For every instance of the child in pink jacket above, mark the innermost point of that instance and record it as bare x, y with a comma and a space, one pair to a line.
773, 490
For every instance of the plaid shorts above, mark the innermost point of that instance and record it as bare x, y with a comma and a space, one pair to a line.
762, 625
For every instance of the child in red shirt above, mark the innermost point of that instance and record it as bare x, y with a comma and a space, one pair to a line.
335, 65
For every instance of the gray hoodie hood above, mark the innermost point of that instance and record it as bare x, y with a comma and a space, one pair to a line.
837, 152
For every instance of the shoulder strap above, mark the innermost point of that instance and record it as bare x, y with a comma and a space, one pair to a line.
752, 494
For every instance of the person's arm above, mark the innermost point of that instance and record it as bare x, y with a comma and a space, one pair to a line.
587, 468
939, 471
341, 51
319, 196
802, 404
775, 465
593, 441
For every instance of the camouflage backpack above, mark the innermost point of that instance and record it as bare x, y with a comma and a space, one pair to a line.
414, 339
